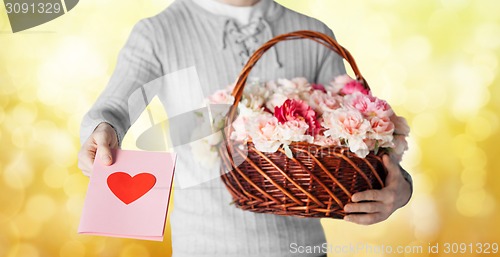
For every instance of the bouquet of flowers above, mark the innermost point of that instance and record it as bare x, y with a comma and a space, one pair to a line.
276, 113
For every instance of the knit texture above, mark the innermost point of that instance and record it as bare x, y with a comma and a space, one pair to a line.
185, 35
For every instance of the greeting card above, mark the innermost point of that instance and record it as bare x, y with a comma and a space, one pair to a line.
130, 197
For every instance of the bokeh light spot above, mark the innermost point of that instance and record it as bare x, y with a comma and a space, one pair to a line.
470, 92
54, 176
473, 156
474, 176
40, 207
74, 204
134, 250
75, 184
416, 49
425, 217
472, 201
425, 125
72, 249
18, 174
29, 227
479, 127
25, 250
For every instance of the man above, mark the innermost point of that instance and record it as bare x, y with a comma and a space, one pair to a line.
217, 37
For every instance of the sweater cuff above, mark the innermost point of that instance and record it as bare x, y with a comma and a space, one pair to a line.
409, 179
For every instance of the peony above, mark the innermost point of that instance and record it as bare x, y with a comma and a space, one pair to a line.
348, 124
297, 110
369, 106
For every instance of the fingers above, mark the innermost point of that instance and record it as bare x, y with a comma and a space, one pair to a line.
365, 207
100, 142
86, 158
105, 153
373, 206
368, 195
105, 139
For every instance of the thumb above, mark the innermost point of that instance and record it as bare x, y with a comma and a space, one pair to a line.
104, 149
104, 152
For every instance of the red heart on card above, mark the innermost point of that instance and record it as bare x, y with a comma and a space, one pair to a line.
128, 188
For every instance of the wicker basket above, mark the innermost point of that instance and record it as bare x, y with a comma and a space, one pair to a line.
317, 182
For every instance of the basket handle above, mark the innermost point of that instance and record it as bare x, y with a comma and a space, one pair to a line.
302, 34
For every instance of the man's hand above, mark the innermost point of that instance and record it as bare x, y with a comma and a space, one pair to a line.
378, 205
103, 138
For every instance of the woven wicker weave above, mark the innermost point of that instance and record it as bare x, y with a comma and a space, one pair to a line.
317, 182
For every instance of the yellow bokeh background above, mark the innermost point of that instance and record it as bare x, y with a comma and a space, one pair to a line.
435, 61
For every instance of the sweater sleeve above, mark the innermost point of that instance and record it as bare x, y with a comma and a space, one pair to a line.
137, 65
332, 64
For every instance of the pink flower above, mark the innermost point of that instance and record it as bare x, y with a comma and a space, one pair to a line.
297, 110
347, 85
302, 84
275, 100
322, 102
294, 131
221, 97
348, 124
382, 130
342, 80
369, 106
326, 141
264, 132
353, 87
240, 132
319, 87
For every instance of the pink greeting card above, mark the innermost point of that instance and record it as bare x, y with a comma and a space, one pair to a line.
129, 198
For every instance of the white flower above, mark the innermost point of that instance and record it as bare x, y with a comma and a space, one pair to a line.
264, 132
322, 102
221, 97
205, 153
275, 100
294, 131
326, 141
338, 83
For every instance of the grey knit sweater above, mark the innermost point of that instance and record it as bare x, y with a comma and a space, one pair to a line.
185, 36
